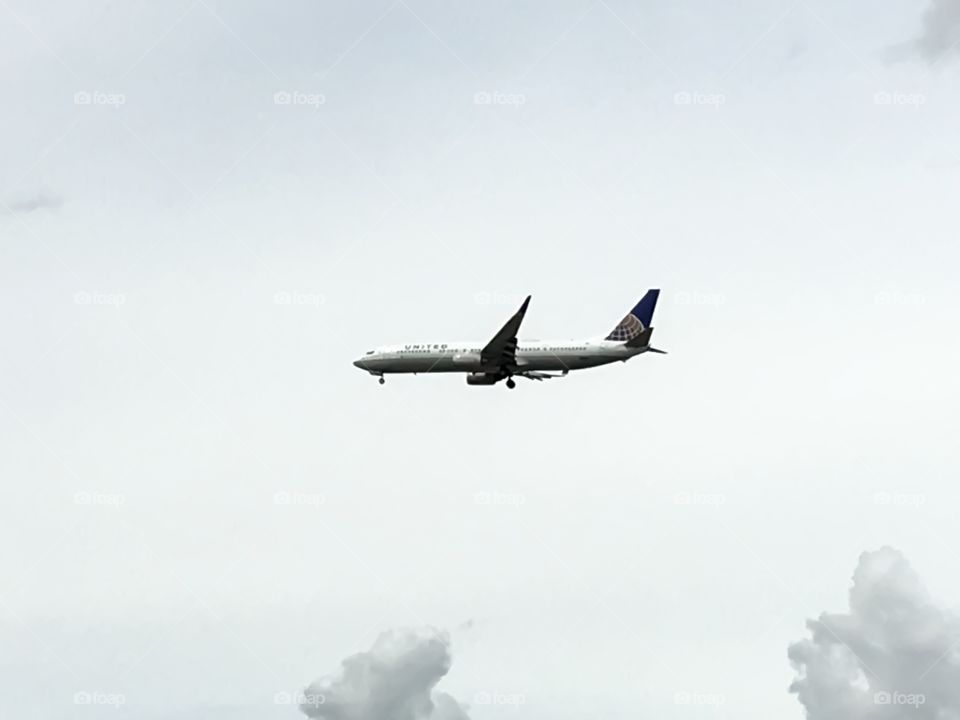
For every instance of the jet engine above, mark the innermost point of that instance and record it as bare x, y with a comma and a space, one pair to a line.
481, 379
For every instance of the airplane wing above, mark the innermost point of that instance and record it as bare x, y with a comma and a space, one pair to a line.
501, 351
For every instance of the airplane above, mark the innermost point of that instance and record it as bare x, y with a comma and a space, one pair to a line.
504, 357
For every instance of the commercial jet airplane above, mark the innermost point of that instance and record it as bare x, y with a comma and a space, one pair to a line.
504, 357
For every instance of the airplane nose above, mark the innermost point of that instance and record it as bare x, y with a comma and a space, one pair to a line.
358, 363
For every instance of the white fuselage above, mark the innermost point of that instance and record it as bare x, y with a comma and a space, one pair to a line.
556, 356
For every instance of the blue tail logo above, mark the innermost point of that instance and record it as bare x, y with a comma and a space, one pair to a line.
637, 321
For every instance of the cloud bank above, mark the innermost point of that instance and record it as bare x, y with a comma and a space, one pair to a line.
394, 680
894, 655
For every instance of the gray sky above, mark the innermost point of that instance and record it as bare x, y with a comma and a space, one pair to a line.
210, 209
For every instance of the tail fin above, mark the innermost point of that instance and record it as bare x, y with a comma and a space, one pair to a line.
635, 327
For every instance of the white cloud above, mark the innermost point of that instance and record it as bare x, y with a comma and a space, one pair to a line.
394, 680
37, 201
892, 656
941, 30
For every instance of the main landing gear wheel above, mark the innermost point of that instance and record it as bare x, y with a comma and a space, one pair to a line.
511, 383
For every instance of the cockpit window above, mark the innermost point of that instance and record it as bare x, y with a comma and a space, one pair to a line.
369, 352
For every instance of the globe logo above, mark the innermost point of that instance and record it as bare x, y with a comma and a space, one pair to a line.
629, 328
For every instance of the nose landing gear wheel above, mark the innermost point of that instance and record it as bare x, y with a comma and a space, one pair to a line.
511, 384
381, 381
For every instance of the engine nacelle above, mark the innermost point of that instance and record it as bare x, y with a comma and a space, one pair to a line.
482, 379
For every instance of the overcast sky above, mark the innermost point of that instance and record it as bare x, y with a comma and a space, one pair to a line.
210, 208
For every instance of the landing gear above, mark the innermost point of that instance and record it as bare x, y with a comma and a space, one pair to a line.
381, 380
511, 383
